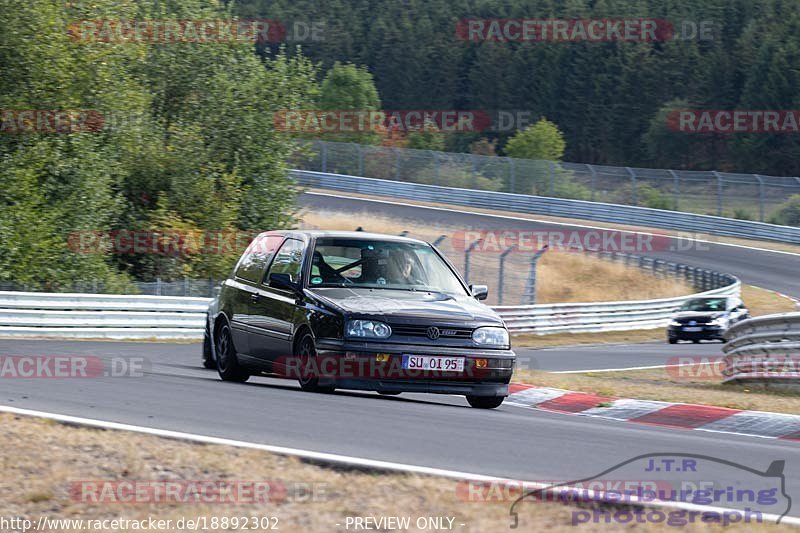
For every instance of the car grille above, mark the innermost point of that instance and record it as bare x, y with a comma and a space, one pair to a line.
445, 332
695, 319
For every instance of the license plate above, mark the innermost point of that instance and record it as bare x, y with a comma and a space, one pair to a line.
426, 362
692, 328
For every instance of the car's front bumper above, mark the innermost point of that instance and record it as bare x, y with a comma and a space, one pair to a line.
706, 332
378, 366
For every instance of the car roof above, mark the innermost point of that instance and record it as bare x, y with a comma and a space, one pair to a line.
316, 234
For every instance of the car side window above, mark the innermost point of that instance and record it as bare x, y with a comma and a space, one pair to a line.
255, 259
288, 260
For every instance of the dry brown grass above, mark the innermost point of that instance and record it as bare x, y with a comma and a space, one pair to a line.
698, 384
561, 276
37, 478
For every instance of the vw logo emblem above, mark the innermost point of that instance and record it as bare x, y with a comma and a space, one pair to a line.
692, 322
433, 333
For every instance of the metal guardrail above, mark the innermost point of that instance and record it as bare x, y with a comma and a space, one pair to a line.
106, 316
764, 350
600, 316
559, 207
167, 317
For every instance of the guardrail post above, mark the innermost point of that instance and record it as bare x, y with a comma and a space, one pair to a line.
719, 192
594, 180
760, 197
634, 198
439, 240
158, 286
360, 151
474, 161
500, 278
512, 168
324, 156
529, 298
676, 188
552, 179
396, 164
467, 253
435, 157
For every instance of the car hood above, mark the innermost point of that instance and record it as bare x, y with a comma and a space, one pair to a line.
393, 304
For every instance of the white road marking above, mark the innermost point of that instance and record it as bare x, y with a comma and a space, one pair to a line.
628, 368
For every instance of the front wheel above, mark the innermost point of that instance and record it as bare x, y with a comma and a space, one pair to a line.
672, 340
485, 402
227, 362
306, 352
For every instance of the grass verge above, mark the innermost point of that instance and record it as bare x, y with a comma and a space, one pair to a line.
41, 481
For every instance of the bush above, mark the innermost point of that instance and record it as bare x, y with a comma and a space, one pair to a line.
788, 214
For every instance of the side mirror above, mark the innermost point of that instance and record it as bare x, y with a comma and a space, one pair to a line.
479, 292
283, 282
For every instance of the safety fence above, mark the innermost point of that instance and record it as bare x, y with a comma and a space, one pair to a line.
750, 196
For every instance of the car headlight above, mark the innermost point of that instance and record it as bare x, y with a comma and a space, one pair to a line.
490, 336
720, 322
674, 323
368, 329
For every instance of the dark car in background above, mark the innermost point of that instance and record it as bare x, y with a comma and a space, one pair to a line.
356, 310
706, 318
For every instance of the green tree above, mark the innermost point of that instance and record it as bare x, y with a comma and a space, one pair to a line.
542, 140
348, 87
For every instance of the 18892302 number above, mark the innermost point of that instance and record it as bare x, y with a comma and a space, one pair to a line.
237, 522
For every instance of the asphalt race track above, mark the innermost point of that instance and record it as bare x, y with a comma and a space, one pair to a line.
770, 270
614, 356
175, 393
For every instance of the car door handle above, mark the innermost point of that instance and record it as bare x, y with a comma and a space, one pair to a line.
254, 297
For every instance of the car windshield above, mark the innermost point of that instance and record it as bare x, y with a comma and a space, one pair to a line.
704, 304
376, 264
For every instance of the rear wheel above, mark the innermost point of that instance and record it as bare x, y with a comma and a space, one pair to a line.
306, 352
485, 402
227, 362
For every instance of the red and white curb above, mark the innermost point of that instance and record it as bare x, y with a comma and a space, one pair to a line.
676, 415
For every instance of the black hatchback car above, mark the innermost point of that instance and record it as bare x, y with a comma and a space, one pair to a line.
356, 310
706, 317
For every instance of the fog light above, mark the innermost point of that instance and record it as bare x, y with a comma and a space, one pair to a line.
481, 363
382, 357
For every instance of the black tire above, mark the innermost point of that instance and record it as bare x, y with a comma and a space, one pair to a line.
672, 340
227, 362
208, 357
485, 402
696, 341
306, 351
